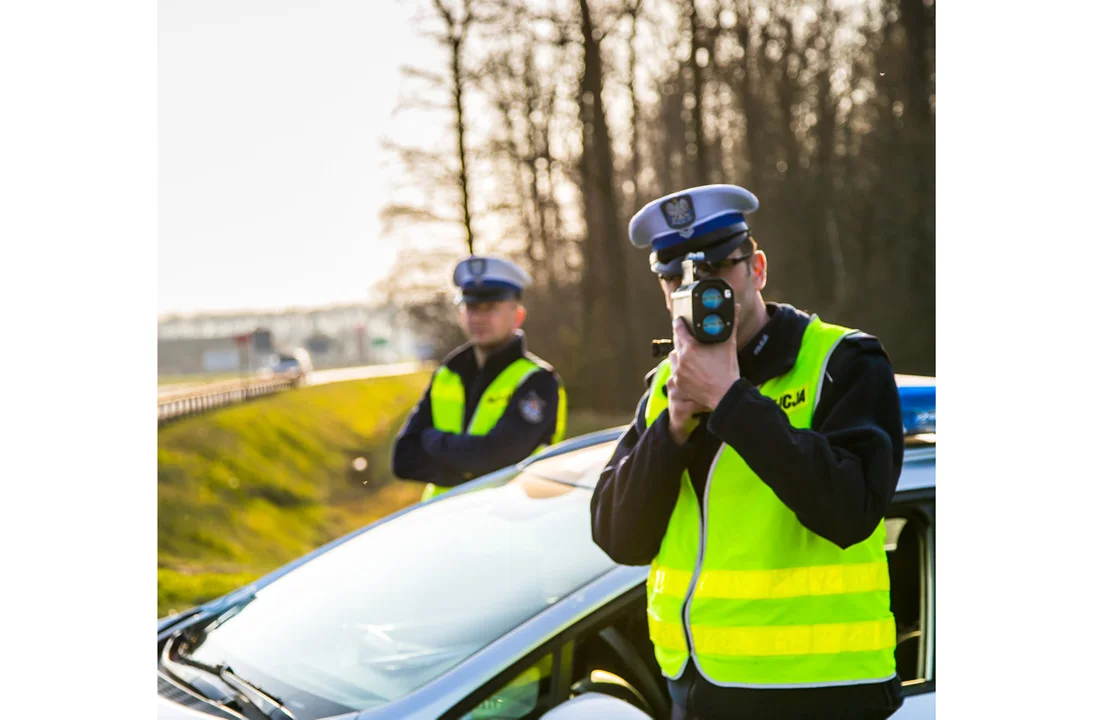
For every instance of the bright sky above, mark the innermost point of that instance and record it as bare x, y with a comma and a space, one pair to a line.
271, 174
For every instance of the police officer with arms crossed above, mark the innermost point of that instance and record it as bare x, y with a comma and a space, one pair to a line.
491, 403
754, 481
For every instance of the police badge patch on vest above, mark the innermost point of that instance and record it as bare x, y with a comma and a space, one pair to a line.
531, 407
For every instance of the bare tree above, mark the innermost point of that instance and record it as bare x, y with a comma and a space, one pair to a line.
456, 26
443, 176
605, 292
633, 9
826, 112
696, 71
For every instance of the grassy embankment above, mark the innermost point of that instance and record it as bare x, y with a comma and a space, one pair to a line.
245, 489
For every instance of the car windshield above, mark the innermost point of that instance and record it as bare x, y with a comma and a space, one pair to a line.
397, 606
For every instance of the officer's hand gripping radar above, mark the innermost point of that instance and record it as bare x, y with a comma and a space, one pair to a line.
705, 305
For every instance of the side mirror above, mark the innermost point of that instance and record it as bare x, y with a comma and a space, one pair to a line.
594, 706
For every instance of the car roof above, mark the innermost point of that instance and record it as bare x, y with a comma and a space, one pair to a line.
580, 464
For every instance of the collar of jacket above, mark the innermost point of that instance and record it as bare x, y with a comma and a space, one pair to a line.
772, 351
463, 360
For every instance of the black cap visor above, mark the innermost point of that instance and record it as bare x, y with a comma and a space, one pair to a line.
715, 245
475, 296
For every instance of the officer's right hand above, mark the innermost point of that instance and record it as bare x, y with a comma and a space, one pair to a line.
681, 413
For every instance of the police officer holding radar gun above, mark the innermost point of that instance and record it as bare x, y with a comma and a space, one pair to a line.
754, 481
491, 403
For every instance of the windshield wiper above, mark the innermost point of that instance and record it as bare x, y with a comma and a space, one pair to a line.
269, 705
200, 622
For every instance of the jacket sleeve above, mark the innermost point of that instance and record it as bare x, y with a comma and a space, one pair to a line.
838, 477
409, 460
637, 491
513, 438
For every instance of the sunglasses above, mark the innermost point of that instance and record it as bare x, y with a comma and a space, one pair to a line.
714, 267
708, 268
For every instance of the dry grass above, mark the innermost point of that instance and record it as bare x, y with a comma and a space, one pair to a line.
248, 488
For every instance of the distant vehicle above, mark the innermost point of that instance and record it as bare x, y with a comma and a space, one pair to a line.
294, 363
491, 602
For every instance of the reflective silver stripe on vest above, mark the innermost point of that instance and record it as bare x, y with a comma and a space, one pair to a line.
699, 563
823, 368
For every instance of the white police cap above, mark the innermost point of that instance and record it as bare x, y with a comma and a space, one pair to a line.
486, 279
696, 219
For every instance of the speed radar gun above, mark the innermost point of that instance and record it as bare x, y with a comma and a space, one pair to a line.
705, 305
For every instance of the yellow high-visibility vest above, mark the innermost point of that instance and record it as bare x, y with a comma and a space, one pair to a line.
448, 406
766, 602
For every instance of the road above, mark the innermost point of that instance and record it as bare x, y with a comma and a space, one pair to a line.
323, 377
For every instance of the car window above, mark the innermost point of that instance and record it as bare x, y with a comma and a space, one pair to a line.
617, 658
910, 544
378, 616
524, 696
609, 652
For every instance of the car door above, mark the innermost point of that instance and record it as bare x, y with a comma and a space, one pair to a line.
607, 652
610, 651
910, 545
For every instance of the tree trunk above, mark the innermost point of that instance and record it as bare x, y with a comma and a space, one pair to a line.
632, 68
701, 163
744, 86
607, 300
834, 284
460, 126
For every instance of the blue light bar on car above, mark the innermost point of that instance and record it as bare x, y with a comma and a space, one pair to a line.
917, 407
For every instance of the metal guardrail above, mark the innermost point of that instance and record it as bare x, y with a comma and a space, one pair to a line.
201, 398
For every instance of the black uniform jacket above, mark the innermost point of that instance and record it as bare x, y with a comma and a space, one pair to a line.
838, 477
425, 454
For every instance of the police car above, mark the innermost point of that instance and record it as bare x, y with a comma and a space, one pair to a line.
492, 601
